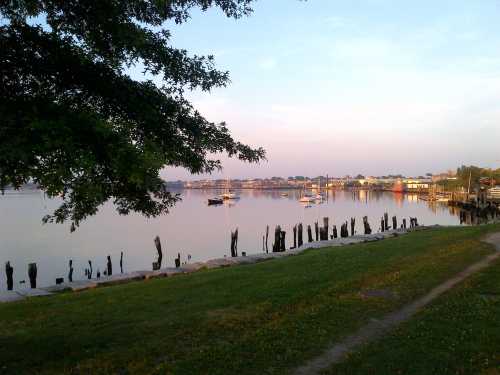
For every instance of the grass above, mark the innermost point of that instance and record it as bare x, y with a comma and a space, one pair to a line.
266, 318
458, 334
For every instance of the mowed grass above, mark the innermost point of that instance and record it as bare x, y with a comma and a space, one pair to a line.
266, 318
458, 334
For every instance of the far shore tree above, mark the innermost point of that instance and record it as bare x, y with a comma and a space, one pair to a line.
76, 124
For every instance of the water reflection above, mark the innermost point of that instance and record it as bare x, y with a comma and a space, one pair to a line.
192, 227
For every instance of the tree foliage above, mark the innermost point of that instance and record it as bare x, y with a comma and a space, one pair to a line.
73, 122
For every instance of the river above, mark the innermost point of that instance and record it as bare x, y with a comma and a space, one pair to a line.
192, 228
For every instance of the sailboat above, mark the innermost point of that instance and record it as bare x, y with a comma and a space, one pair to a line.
319, 196
228, 194
306, 198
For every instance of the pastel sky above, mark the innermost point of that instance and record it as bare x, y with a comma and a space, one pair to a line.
344, 87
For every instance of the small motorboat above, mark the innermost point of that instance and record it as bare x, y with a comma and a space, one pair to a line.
215, 201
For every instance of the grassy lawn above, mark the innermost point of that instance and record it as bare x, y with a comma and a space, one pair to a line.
259, 319
458, 334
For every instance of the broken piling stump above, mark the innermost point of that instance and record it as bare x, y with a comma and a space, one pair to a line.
32, 273
9, 272
157, 264
109, 266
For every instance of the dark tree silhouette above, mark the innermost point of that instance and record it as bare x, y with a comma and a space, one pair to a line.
74, 123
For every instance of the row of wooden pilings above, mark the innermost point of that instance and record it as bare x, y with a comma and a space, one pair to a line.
88, 271
321, 233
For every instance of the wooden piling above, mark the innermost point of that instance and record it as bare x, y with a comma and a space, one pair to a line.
353, 225
404, 223
109, 266
59, 280
294, 236
160, 253
382, 224
394, 223
234, 243
32, 273
9, 272
277, 239
309, 234
178, 260
267, 235
121, 262
89, 272
366, 225
299, 235
282, 241
386, 221
70, 273
335, 233
326, 228
316, 230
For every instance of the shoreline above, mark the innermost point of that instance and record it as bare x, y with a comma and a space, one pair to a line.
81, 285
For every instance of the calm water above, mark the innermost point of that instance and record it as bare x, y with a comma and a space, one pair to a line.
192, 228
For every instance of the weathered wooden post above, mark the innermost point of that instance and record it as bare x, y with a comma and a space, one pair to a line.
263, 243
316, 230
416, 222
32, 272
277, 239
98, 274
366, 224
394, 222
109, 266
70, 274
59, 280
382, 225
282, 241
234, 243
353, 225
157, 265
89, 273
294, 236
386, 221
9, 272
326, 225
267, 235
309, 234
299, 236
343, 230
404, 223
121, 262
335, 233
178, 260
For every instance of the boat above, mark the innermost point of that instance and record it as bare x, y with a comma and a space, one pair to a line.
284, 194
306, 198
229, 195
215, 201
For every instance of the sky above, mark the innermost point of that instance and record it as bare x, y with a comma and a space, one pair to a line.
346, 87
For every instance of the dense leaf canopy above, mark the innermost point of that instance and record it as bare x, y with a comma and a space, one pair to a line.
74, 123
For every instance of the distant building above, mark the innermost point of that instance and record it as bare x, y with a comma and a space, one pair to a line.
417, 184
494, 192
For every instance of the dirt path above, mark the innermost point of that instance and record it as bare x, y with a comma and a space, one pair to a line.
378, 328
